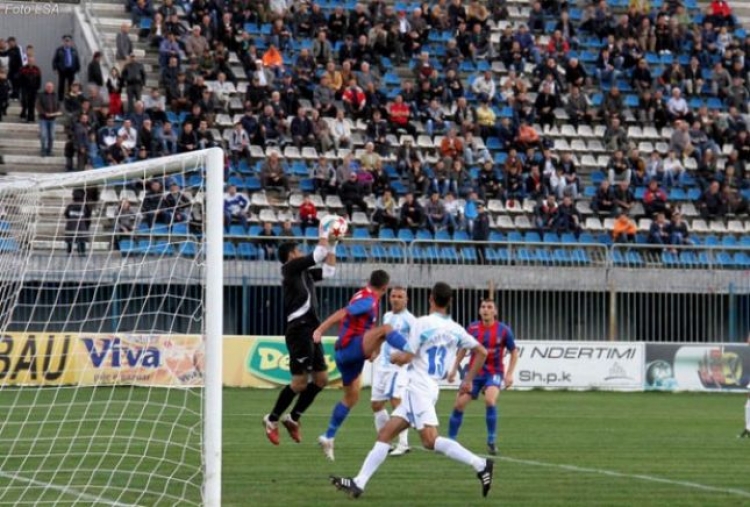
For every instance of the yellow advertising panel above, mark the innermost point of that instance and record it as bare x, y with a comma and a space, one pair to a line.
143, 360
37, 359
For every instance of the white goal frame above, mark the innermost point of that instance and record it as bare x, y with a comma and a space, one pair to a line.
213, 217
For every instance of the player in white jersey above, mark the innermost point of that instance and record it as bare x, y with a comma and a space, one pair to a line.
436, 339
389, 380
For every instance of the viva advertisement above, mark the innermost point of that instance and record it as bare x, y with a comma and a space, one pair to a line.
576, 365
699, 367
148, 360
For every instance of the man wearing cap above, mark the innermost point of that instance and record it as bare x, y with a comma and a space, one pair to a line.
67, 64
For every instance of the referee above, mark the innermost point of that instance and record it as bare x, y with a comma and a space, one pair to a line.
306, 358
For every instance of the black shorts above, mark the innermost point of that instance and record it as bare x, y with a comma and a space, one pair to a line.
305, 356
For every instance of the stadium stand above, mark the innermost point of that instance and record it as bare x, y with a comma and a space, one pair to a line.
558, 117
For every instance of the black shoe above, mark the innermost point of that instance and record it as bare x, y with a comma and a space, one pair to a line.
491, 449
346, 484
485, 476
745, 433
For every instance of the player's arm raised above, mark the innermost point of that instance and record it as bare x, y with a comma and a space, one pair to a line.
456, 364
332, 320
329, 266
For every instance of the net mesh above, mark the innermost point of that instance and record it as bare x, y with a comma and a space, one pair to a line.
101, 348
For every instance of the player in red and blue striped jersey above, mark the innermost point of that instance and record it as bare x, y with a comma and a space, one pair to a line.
496, 337
359, 340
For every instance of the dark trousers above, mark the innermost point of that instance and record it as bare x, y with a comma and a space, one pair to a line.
63, 77
28, 104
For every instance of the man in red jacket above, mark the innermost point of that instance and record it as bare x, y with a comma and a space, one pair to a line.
399, 114
308, 214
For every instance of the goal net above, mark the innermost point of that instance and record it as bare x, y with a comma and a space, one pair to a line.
110, 334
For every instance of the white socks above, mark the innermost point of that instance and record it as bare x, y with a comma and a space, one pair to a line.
747, 415
455, 451
403, 438
374, 459
381, 418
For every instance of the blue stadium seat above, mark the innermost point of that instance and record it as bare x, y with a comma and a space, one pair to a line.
497, 236
604, 238
562, 256
634, 259
745, 240
617, 257
405, 235
669, 259
396, 253
386, 234
230, 251
724, 260
247, 251
580, 257
360, 233
311, 232
186, 249
515, 237
252, 184
448, 254
496, 255
705, 259
180, 229
543, 255
469, 254
567, 238
342, 253
307, 185
711, 240
378, 253
127, 246
741, 259
442, 235
236, 230
431, 253
359, 253
585, 237
424, 235
551, 237
461, 236
688, 259
728, 241
526, 255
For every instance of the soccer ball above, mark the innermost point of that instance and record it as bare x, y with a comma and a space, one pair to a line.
333, 227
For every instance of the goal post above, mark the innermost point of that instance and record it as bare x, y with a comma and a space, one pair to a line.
111, 328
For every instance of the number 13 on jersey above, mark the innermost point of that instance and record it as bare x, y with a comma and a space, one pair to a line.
436, 356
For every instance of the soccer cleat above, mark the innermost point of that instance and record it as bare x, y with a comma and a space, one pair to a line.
327, 445
485, 476
745, 433
293, 427
272, 429
491, 449
400, 450
347, 485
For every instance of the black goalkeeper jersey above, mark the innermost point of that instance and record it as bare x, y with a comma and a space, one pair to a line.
300, 302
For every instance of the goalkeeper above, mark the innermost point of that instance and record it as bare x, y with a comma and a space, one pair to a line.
306, 358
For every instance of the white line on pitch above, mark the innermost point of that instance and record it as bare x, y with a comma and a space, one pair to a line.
619, 475
97, 500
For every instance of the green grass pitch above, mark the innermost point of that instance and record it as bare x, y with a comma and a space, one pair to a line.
557, 449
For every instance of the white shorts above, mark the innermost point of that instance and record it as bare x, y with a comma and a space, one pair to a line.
387, 385
418, 409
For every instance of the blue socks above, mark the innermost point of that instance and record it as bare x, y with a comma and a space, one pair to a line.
340, 411
397, 341
455, 423
491, 419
